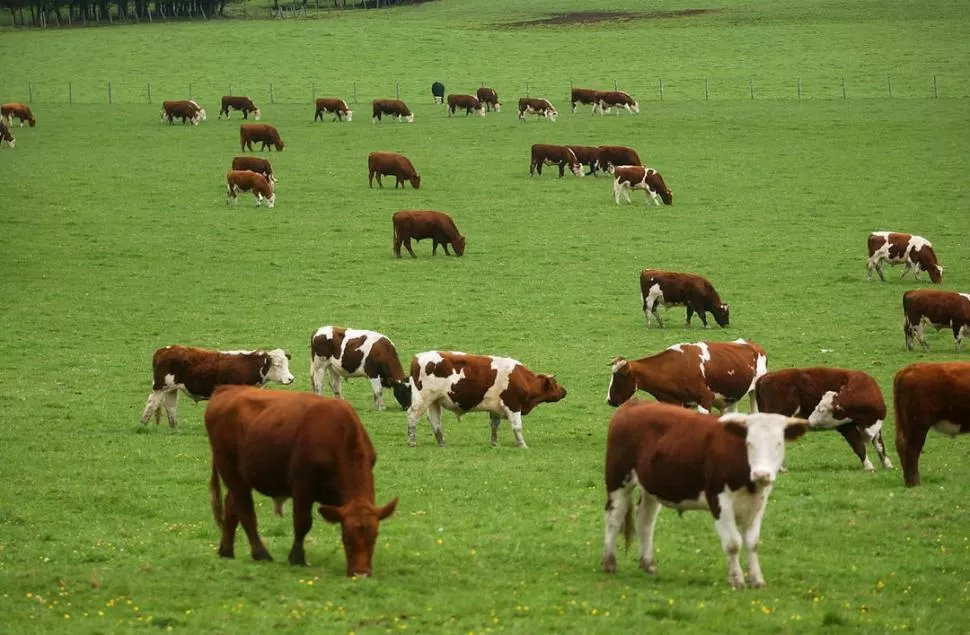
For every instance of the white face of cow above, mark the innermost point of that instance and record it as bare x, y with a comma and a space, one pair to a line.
823, 417
279, 367
271, 201
410, 118
764, 435
552, 114
349, 114
257, 114
481, 110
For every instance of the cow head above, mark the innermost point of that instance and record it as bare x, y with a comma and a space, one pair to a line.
635, 107
349, 114
415, 181
497, 106
722, 314
551, 113
358, 520
402, 393
936, 273
257, 114
480, 110
552, 390
827, 414
622, 383
271, 202
577, 169
278, 143
764, 437
276, 366
459, 245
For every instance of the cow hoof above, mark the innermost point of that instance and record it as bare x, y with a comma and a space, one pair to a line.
649, 567
736, 582
226, 553
297, 561
411, 444
757, 584
609, 564
262, 556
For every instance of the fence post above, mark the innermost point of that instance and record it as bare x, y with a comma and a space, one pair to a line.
843, 88
313, 89
397, 90
230, 89
190, 91
355, 91
706, 95
70, 93
272, 97
149, 92
661, 89
527, 89
890, 80
30, 93
799, 87
751, 84
936, 94
109, 92
614, 86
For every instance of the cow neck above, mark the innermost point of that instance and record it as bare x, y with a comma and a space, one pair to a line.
354, 472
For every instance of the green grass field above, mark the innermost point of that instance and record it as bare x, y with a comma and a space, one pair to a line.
116, 240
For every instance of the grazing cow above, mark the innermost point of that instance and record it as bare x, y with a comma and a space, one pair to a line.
388, 163
939, 309
489, 97
338, 353
688, 461
394, 107
18, 110
618, 155
255, 164
537, 107
462, 383
197, 372
554, 155
259, 132
703, 374
247, 181
670, 288
637, 177
333, 105
928, 395
291, 444
184, 109
616, 99
913, 252
586, 96
831, 398
468, 102
438, 92
420, 224
242, 104
589, 156
6, 136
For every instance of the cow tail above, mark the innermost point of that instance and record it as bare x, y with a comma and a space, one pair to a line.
628, 521
394, 233
215, 495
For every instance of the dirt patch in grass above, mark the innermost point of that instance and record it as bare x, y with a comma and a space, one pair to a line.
595, 17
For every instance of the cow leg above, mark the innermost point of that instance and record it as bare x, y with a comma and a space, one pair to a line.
921, 336
906, 268
909, 449
515, 420
957, 334
434, 247
874, 433
731, 540
151, 407
700, 313
615, 520
751, 537
171, 404
414, 413
246, 511
626, 194
445, 245
908, 334
562, 169
378, 390
494, 420
335, 381
407, 245
380, 183
317, 374
302, 522
850, 431
656, 313
370, 178
230, 520
616, 191
647, 512
690, 314
434, 418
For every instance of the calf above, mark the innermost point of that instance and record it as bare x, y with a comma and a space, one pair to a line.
184, 109
338, 353
669, 288
286, 444
262, 133
703, 374
616, 99
489, 97
6, 136
554, 155
438, 92
939, 309
242, 104
468, 102
393, 107
255, 164
929, 395
333, 105
417, 225
247, 181
913, 252
832, 398
618, 155
197, 372
462, 383
586, 96
589, 156
537, 107
20, 111
637, 177
388, 163
688, 461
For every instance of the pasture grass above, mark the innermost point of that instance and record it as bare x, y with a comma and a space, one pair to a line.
116, 240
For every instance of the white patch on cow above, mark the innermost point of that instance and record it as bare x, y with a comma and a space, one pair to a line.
497, 107
760, 367
872, 431
690, 504
765, 442
279, 367
676, 347
916, 243
410, 118
257, 114
322, 367
170, 381
946, 427
236, 352
822, 417
704, 355
271, 201
349, 114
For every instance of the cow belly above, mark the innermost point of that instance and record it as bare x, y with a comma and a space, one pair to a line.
949, 428
490, 403
690, 504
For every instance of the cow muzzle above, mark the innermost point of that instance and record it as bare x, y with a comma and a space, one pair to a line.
762, 477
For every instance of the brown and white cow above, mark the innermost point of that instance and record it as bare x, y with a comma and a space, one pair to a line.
255, 164
337, 353
184, 109
913, 252
588, 156
462, 383
586, 96
925, 396
334, 105
247, 181
6, 136
293, 445
20, 111
939, 309
197, 372
420, 224
618, 155
262, 133
849, 401
469, 103
702, 374
242, 104
391, 164
392, 107
489, 98
561, 156
607, 100
689, 461
537, 107
672, 288
637, 177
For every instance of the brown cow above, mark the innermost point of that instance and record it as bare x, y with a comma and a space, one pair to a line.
290, 444
339, 353
688, 461
6, 136
703, 374
913, 252
586, 96
18, 110
537, 107
417, 225
243, 104
247, 181
929, 395
618, 155
637, 177
462, 383
830, 398
184, 109
388, 163
260, 132
394, 107
618, 99
588, 156
670, 288
489, 97
333, 105
255, 164
197, 372
554, 155
939, 309
468, 102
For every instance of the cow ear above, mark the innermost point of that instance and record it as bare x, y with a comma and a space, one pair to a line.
288, 356
736, 428
734, 417
331, 513
387, 510
795, 428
